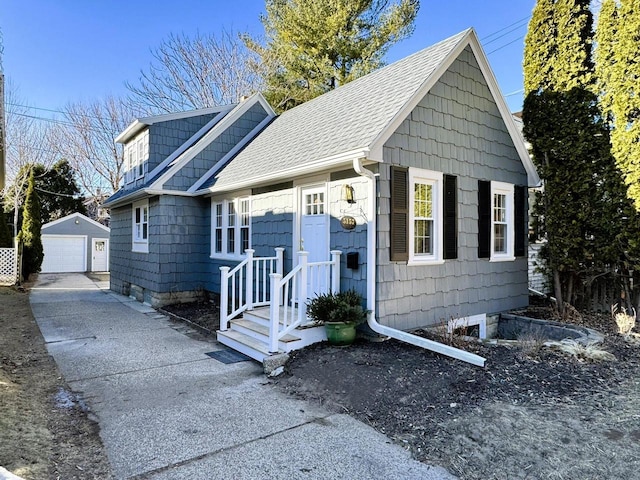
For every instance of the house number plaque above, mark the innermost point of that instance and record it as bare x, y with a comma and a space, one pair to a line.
348, 223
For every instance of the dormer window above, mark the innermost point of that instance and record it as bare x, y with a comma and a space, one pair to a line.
136, 156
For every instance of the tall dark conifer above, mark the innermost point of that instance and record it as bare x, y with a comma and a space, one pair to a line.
29, 236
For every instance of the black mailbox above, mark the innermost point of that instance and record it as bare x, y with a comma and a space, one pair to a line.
352, 260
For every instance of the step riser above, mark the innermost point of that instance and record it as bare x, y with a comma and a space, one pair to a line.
242, 348
261, 338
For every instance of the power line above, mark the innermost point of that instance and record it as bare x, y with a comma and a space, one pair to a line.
64, 112
506, 45
504, 28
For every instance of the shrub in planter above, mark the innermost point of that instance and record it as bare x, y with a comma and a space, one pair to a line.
340, 313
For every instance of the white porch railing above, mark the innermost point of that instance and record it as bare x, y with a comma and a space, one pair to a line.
293, 292
8, 266
247, 285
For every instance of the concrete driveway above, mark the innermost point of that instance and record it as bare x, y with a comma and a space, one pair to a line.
168, 411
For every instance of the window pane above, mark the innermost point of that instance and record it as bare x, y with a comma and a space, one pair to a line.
137, 215
500, 238
244, 239
231, 216
423, 201
144, 231
231, 240
423, 237
218, 240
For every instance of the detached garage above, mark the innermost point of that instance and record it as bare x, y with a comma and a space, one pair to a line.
75, 243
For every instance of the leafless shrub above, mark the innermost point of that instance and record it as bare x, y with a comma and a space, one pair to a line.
589, 351
626, 321
531, 342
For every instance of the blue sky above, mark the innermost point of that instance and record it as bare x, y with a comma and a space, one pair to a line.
61, 51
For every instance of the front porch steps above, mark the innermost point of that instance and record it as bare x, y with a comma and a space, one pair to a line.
250, 335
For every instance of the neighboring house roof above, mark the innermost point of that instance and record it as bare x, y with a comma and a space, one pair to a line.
72, 217
355, 120
140, 123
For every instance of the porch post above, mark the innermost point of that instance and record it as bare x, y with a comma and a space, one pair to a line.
280, 260
224, 297
302, 300
248, 289
274, 312
335, 271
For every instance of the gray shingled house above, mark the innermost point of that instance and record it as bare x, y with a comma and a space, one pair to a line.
408, 185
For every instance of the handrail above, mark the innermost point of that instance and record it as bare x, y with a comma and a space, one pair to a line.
292, 291
247, 287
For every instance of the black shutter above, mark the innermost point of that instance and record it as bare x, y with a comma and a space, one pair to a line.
520, 203
450, 227
399, 214
484, 219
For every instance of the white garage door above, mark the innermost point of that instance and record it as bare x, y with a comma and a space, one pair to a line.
64, 253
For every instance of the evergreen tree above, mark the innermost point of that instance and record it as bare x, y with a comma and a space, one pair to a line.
584, 209
315, 46
6, 240
540, 47
605, 39
624, 88
29, 236
573, 65
58, 191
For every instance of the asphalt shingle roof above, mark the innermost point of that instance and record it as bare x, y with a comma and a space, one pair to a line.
348, 118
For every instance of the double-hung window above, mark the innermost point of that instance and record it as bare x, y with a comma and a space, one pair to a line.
136, 154
501, 221
231, 225
140, 227
425, 216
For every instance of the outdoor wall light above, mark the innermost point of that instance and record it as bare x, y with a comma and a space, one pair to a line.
348, 194
77, 221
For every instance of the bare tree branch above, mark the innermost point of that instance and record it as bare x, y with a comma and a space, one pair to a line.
190, 73
87, 142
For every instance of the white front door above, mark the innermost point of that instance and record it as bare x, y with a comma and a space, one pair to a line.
314, 237
100, 255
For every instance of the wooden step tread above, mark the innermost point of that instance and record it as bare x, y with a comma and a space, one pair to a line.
261, 329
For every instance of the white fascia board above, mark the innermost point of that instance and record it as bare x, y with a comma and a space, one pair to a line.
317, 166
212, 134
75, 215
186, 145
140, 123
148, 192
378, 143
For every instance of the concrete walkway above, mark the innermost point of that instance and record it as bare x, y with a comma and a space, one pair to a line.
168, 411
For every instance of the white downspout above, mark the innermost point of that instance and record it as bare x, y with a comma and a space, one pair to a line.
371, 285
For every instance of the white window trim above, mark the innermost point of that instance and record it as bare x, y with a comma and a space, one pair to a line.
418, 175
136, 154
506, 189
236, 254
140, 245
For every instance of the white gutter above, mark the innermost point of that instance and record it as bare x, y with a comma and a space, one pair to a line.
371, 286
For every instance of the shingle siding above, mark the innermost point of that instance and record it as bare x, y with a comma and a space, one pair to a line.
456, 129
166, 137
217, 149
178, 257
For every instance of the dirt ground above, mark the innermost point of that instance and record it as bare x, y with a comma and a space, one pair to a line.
531, 413
45, 433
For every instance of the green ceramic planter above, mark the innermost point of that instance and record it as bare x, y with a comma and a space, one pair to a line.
340, 333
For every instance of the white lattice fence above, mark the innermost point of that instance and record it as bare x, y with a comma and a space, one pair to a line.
8, 264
